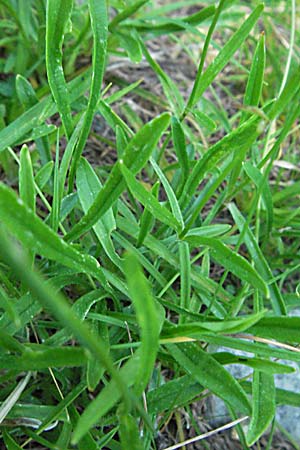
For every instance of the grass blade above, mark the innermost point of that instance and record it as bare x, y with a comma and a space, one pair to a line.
232, 261
88, 187
147, 220
36, 115
169, 191
284, 329
147, 318
256, 77
211, 375
191, 101
148, 200
263, 405
98, 15
11, 400
205, 80
57, 17
262, 185
181, 151
127, 12
107, 398
26, 179
259, 260
129, 432
42, 359
185, 275
240, 138
56, 203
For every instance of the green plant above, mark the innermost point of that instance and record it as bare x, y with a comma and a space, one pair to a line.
107, 298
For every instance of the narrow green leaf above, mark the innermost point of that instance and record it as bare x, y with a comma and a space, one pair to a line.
181, 151
256, 76
25, 308
106, 399
26, 179
42, 359
130, 42
129, 432
95, 369
147, 318
121, 141
250, 347
262, 185
185, 276
81, 308
88, 187
239, 139
36, 115
98, 16
211, 375
232, 261
259, 260
148, 200
196, 329
57, 16
283, 396
147, 220
66, 159
9, 343
26, 184
283, 329
135, 157
112, 118
25, 92
234, 43
173, 394
204, 120
87, 440
289, 92
28, 98
7, 305
169, 191
263, 405
55, 210
165, 26
13, 397
127, 12
59, 411
43, 175
191, 100
214, 230
261, 365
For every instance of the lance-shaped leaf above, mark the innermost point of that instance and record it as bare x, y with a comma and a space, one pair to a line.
263, 400
232, 261
148, 200
147, 313
88, 187
57, 17
98, 16
260, 262
211, 375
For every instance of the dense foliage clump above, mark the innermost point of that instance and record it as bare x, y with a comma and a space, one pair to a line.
149, 219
